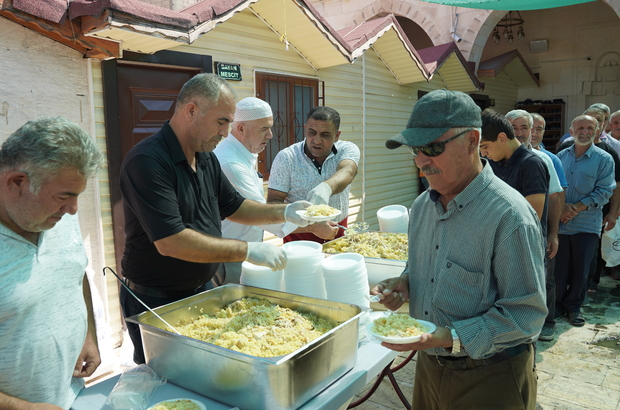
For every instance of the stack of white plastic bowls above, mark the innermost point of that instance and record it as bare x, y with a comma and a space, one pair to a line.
393, 218
260, 276
346, 279
302, 274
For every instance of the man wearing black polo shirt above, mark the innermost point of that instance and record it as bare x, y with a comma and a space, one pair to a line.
514, 163
523, 170
174, 199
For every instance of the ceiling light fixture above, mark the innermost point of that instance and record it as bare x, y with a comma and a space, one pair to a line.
508, 22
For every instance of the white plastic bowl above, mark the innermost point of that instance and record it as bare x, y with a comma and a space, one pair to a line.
393, 218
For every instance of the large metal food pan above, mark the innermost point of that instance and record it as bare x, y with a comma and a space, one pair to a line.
237, 379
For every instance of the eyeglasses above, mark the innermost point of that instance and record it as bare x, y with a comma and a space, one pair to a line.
435, 148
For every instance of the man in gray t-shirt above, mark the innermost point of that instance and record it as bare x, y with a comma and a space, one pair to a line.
47, 334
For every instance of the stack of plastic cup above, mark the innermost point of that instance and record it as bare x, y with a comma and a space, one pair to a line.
260, 276
346, 279
302, 274
393, 218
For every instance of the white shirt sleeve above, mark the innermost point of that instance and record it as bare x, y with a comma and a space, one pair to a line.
554, 181
250, 186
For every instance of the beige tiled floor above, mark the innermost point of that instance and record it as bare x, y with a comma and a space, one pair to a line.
574, 372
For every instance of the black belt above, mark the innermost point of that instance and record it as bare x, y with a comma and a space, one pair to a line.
466, 362
161, 294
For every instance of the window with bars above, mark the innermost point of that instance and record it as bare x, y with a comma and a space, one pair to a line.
291, 98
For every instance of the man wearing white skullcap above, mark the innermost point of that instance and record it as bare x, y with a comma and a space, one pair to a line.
238, 153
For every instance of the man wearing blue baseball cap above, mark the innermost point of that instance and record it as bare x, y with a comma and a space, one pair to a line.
475, 268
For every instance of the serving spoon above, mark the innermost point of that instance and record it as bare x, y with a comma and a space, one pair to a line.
138, 299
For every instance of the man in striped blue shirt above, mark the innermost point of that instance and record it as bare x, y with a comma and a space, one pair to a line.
591, 181
475, 268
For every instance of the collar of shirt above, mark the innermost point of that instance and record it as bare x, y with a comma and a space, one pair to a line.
242, 151
316, 163
588, 153
518, 153
471, 191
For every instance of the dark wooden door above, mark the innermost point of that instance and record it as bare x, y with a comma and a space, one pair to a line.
140, 94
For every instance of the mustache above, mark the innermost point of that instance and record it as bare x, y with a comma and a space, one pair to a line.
430, 170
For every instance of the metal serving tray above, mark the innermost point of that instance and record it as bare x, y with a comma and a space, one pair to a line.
237, 379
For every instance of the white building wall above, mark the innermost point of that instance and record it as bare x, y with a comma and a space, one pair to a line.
41, 77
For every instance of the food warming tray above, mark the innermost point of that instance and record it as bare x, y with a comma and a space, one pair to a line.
249, 382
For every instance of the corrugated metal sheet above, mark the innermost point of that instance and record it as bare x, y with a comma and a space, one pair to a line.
519, 74
395, 56
455, 76
391, 176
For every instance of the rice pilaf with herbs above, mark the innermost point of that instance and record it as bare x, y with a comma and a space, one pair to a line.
258, 328
398, 325
380, 245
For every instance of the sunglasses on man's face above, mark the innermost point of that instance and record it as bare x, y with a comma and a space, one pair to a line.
435, 148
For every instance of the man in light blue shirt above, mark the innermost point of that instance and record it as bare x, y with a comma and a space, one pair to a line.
590, 175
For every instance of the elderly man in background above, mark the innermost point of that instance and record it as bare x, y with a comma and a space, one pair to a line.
610, 209
249, 135
320, 169
47, 330
591, 180
602, 113
604, 136
174, 199
538, 132
488, 298
614, 125
522, 123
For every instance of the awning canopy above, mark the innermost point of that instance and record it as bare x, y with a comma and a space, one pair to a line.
509, 4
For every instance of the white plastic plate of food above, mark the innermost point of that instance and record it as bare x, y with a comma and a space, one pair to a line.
426, 327
304, 214
178, 404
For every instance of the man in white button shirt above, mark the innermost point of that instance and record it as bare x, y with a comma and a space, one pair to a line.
238, 153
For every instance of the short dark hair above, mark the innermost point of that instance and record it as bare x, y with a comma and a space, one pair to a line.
322, 113
493, 123
206, 86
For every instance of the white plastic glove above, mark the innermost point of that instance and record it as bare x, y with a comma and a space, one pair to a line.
290, 213
266, 254
320, 194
